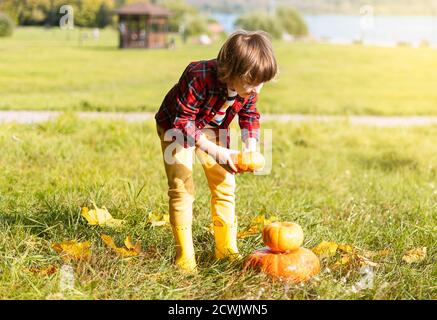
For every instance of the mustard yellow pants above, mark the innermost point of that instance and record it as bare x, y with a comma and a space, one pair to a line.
181, 192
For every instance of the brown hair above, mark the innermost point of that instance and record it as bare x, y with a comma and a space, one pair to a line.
247, 55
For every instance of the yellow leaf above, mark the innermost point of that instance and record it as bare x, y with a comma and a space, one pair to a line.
43, 271
129, 244
86, 214
351, 260
415, 255
345, 255
108, 241
73, 250
345, 259
345, 248
325, 249
270, 220
129, 250
157, 220
253, 230
257, 224
262, 220
101, 217
259, 219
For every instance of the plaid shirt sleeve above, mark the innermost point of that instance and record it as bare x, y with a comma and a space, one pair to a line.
189, 97
248, 119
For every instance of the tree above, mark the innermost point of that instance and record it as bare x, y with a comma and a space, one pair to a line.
182, 13
260, 21
87, 13
196, 25
6, 25
292, 22
285, 20
26, 12
103, 16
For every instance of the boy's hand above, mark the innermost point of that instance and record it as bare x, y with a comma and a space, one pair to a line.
222, 156
225, 158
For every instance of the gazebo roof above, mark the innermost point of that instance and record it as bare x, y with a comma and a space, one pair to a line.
143, 9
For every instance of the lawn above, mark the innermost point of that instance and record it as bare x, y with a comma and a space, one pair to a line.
52, 69
372, 188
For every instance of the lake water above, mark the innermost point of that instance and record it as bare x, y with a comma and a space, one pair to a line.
379, 30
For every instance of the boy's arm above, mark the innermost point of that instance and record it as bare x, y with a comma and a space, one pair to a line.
249, 123
222, 155
189, 98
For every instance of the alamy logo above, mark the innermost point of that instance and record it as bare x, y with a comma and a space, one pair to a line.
177, 140
367, 21
67, 20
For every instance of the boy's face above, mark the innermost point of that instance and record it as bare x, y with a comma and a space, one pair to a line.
244, 89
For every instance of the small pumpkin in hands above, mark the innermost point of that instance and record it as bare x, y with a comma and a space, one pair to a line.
283, 236
249, 161
297, 265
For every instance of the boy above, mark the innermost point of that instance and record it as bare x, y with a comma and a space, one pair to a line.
199, 108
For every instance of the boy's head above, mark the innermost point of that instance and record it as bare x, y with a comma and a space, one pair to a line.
246, 61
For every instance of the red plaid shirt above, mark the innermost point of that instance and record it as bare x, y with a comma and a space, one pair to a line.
194, 101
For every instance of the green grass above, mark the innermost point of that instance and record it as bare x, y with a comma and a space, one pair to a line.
50, 69
372, 188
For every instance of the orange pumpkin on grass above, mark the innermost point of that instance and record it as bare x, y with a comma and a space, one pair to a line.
297, 265
249, 161
283, 236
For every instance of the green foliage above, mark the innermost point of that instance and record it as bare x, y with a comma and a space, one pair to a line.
182, 12
87, 13
103, 16
285, 20
6, 25
260, 21
292, 22
186, 19
196, 25
29, 12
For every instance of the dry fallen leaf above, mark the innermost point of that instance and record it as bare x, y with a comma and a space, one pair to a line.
73, 250
131, 246
130, 249
101, 217
352, 260
344, 255
372, 254
325, 249
256, 226
414, 255
43, 271
345, 248
157, 220
262, 220
253, 230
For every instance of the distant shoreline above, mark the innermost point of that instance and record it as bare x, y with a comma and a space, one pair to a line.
352, 13
382, 30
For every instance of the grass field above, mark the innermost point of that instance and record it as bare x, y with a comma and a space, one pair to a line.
51, 69
371, 188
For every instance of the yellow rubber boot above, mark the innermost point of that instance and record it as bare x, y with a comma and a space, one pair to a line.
225, 239
185, 257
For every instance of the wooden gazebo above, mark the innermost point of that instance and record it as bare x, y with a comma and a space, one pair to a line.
143, 25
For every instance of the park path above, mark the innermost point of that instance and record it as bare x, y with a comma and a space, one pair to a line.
380, 121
